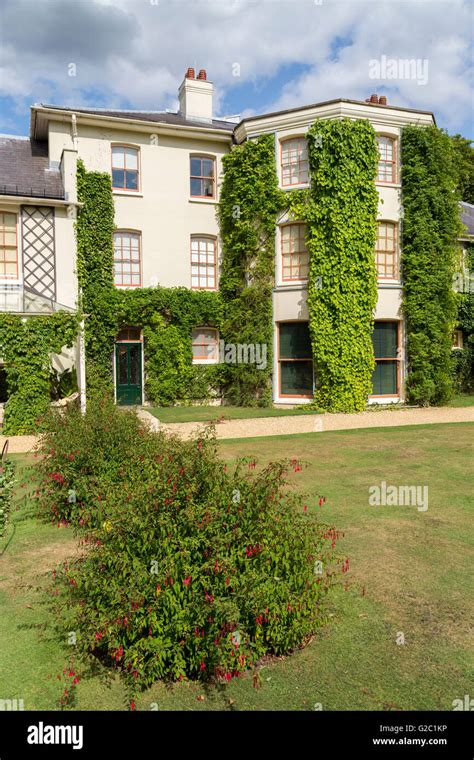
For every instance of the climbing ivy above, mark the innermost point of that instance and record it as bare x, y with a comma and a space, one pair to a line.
26, 346
429, 260
340, 210
249, 203
95, 254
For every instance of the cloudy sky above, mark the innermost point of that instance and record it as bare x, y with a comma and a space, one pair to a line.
262, 55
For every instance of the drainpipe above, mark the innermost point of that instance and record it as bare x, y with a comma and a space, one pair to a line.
74, 131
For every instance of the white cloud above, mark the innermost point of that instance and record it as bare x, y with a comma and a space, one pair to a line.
137, 51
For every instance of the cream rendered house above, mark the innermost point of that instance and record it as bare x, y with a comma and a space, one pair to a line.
166, 173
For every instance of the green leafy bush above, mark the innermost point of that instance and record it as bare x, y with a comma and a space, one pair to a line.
7, 479
192, 570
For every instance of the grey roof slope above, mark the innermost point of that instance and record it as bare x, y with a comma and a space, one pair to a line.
160, 117
467, 217
24, 169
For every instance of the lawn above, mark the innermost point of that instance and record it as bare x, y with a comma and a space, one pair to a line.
167, 414
411, 573
207, 413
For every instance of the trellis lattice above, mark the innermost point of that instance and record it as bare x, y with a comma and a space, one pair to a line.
38, 250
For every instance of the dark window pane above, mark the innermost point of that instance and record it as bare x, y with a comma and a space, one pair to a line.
118, 178
132, 180
122, 366
134, 365
295, 342
3, 386
196, 187
385, 339
296, 378
384, 379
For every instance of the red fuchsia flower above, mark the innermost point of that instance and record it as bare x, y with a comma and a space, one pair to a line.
187, 580
208, 597
76, 680
345, 566
252, 464
71, 674
305, 508
199, 445
71, 457
227, 581
132, 705
202, 666
98, 635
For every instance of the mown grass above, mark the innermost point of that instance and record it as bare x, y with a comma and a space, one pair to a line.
167, 414
411, 573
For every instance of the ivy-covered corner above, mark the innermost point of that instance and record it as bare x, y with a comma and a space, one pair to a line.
26, 345
340, 211
429, 261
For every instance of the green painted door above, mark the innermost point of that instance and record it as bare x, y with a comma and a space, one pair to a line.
128, 367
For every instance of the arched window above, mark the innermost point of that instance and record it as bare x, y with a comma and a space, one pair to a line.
202, 177
205, 345
127, 259
294, 161
387, 169
386, 251
203, 262
125, 168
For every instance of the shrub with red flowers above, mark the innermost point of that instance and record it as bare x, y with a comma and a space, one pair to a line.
193, 569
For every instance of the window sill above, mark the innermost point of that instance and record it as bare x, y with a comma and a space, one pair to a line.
210, 201
127, 193
301, 186
389, 284
396, 185
205, 361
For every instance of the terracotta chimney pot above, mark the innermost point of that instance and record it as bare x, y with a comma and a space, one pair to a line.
190, 73
202, 75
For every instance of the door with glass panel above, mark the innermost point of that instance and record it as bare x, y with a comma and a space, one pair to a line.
128, 366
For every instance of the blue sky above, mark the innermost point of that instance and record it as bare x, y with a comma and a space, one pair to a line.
262, 55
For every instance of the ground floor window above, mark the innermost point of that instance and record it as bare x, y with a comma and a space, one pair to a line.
295, 361
205, 341
386, 342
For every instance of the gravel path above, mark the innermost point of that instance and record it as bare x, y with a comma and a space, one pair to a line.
306, 423
323, 422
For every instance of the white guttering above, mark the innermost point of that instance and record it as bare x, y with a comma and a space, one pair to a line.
209, 133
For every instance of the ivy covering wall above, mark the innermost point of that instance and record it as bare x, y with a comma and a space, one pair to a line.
340, 210
249, 203
429, 260
166, 315
26, 346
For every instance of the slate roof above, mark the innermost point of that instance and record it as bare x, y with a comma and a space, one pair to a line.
467, 217
160, 117
24, 169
